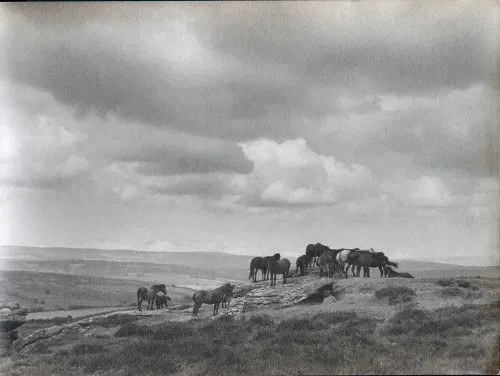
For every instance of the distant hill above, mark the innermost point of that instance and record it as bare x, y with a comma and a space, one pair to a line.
206, 265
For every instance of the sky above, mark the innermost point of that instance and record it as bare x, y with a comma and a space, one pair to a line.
251, 128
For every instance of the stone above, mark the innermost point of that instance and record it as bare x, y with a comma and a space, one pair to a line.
329, 300
12, 316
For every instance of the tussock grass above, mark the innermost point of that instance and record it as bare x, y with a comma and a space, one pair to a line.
396, 294
413, 341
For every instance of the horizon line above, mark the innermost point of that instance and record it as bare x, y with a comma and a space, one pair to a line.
225, 253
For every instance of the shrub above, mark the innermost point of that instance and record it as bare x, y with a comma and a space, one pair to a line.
445, 282
451, 291
264, 334
462, 283
87, 348
295, 324
261, 320
133, 330
395, 294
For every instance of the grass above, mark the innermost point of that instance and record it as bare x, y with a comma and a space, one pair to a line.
413, 341
396, 294
338, 342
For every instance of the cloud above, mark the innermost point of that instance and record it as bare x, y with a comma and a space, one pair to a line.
290, 173
39, 151
241, 70
423, 192
486, 200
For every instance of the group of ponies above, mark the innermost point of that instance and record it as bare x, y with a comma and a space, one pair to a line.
150, 295
216, 297
270, 266
330, 260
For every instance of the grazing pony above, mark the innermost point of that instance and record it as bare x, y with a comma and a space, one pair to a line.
214, 297
367, 260
327, 262
301, 263
257, 263
342, 255
390, 273
149, 294
276, 267
162, 300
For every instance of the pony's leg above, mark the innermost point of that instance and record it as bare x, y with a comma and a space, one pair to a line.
139, 304
381, 271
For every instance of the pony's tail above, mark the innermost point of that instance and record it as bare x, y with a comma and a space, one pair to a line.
395, 264
250, 276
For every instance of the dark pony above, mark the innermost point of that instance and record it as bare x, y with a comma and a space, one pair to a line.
390, 273
149, 294
257, 263
225, 300
314, 251
275, 267
162, 300
267, 260
367, 260
214, 297
300, 264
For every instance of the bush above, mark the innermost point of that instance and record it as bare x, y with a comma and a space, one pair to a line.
264, 334
451, 291
133, 330
445, 282
396, 294
87, 348
262, 320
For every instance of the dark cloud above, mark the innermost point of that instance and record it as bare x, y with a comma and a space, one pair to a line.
284, 54
270, 70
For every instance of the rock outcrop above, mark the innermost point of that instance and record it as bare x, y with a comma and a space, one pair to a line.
12, 316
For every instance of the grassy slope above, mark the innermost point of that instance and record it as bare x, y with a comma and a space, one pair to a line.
413, 341
52, 290
377, 326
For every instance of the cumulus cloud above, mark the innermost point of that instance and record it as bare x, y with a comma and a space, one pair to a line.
291, 173
38, 152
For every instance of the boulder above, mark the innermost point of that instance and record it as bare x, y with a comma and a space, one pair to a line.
12, 316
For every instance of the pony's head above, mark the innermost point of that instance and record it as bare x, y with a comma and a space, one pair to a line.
163, 289
277, 256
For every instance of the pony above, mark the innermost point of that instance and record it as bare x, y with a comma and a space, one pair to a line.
390, 273
314, 251
149, 294
325, 263
225, 300
267, 260
342, 255
367, 260
214, 297
301, 263
275, 267
162, 300
257, 263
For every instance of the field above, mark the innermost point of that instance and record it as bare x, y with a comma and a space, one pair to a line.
444, 325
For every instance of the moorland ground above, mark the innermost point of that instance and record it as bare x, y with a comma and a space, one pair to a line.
444, 325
